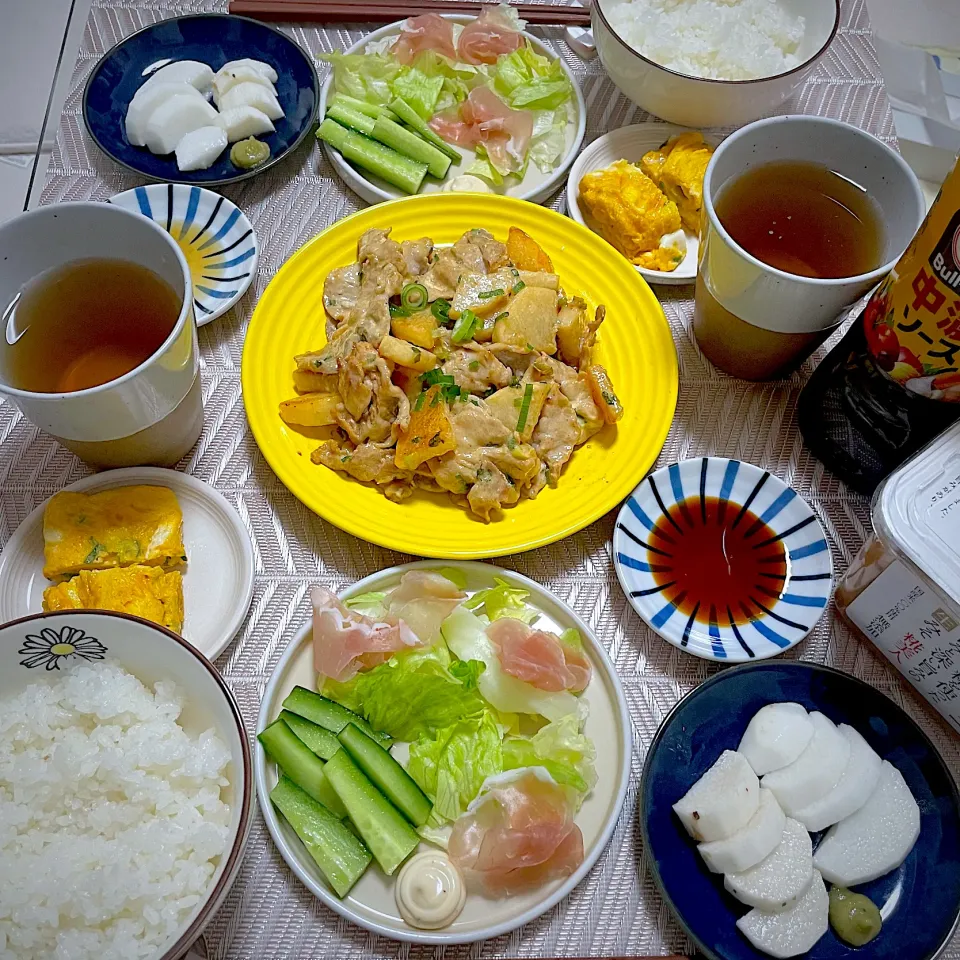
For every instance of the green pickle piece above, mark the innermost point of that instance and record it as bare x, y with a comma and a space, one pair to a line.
855, 918
249, 153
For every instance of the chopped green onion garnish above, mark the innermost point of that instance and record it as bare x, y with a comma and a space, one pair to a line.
441, 311
414, 296
418, 405
525, 407
464, 327
432, 377
474, 365
396, 311
487, 294
518, 286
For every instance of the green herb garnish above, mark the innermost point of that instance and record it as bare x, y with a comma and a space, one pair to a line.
518, 286
525, 407
488, 294
464, 327
414, 296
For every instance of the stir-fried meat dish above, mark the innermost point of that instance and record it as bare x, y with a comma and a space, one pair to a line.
461, 369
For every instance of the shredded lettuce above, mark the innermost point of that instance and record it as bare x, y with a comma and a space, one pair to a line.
458, 79
549, 141
561, 748
419, 90
371, 604
457, 577
528, 80
365, 76
451, 766
467, 639
413, 694
483, 167
503, 601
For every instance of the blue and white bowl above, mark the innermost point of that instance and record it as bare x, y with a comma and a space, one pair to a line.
214, 39
762, 617
214, 234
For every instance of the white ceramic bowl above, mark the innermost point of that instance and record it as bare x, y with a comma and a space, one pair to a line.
700, 102
151, 653
535, 186
371, 904
631, 143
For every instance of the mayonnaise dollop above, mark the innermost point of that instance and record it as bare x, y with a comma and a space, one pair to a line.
466, 183
430, 891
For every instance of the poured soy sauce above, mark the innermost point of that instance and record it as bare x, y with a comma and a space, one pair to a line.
717, 562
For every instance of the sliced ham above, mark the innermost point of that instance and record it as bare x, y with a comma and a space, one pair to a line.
538, 657
423, 600
345, 642
484, 118
518, 834
485, 39
427, 32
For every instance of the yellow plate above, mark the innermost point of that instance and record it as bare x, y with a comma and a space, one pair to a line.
634, 345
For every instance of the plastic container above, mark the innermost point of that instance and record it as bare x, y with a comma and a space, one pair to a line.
902, 591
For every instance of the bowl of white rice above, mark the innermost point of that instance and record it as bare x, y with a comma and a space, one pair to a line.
711, 63
125, 789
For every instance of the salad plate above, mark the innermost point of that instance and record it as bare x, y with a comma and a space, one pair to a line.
217, 584
536, 184
634, 345
213, 39
371, 902
919, 901
723, 560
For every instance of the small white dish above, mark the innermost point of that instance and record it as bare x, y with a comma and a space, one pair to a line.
371, 903
217, 582
535, 186
631, 143
217, 240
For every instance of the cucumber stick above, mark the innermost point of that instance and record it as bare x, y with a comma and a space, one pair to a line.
384, 772
361, 106
413, 119
410, 145
328, 714
300, 764
385, 832
352, 118
340, 855
322, 742
379, 160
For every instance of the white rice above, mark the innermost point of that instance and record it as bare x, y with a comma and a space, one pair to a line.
719, 39
111, 822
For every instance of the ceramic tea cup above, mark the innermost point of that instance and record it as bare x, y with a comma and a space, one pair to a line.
152, 414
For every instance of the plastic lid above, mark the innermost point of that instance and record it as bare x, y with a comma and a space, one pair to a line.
916, 512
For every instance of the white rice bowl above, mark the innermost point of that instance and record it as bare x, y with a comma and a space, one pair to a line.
714, 39
111, 818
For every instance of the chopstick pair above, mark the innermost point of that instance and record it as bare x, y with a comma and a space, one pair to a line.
386, 11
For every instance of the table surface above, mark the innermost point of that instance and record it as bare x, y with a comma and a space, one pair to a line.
616, 911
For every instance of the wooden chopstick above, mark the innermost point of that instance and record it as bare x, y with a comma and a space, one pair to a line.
386, 11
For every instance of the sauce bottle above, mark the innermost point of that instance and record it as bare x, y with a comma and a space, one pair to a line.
893, 382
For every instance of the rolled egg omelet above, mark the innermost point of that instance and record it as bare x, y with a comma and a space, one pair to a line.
634, 216
112, 528
678, 168
147, 592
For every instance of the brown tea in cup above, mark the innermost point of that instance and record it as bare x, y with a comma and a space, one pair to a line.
799, 217
803, 218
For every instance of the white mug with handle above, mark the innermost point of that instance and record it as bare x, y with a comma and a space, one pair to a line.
152, 414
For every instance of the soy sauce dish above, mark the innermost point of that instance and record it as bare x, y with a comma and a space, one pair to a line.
436, 743
913, 846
